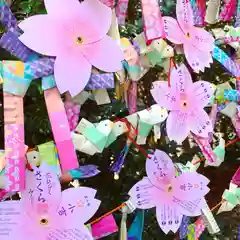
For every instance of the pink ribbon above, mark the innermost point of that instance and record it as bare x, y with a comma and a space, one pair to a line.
206, 148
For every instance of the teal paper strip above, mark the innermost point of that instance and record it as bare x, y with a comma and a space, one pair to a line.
136, 229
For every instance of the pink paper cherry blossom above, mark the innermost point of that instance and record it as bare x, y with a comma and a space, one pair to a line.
75, 33
48, 213
197, 42
172, 196
186, 101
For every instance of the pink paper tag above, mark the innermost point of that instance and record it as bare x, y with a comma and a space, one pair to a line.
152, 18
236, 177
132, 98
61, 130
104, 227
228, 10
200, 227
14, 142
206, 148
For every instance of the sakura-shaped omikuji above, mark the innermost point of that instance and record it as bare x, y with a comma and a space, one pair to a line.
185, 100
172, 196
76, 34
46, 213
197, 42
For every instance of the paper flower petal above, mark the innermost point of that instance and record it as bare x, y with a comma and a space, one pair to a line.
189, 208
31, 228
72, 73
47, 193
181, 79
10, 219
104, 55
172, 30
142, 194
196, 58
202, 39
26, 195
200, 123
190, 186
184, 14
177, 126
35, 37
168, 218
164, 95
78, 202
203, 92
83, 16
73, 230
160, 169
61, 8
205, 60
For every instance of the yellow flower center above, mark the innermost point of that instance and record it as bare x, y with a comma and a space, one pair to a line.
184, 104
188, 35
79, 40
43, 221
169, 188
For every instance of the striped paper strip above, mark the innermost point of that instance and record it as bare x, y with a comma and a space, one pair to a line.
61, 130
